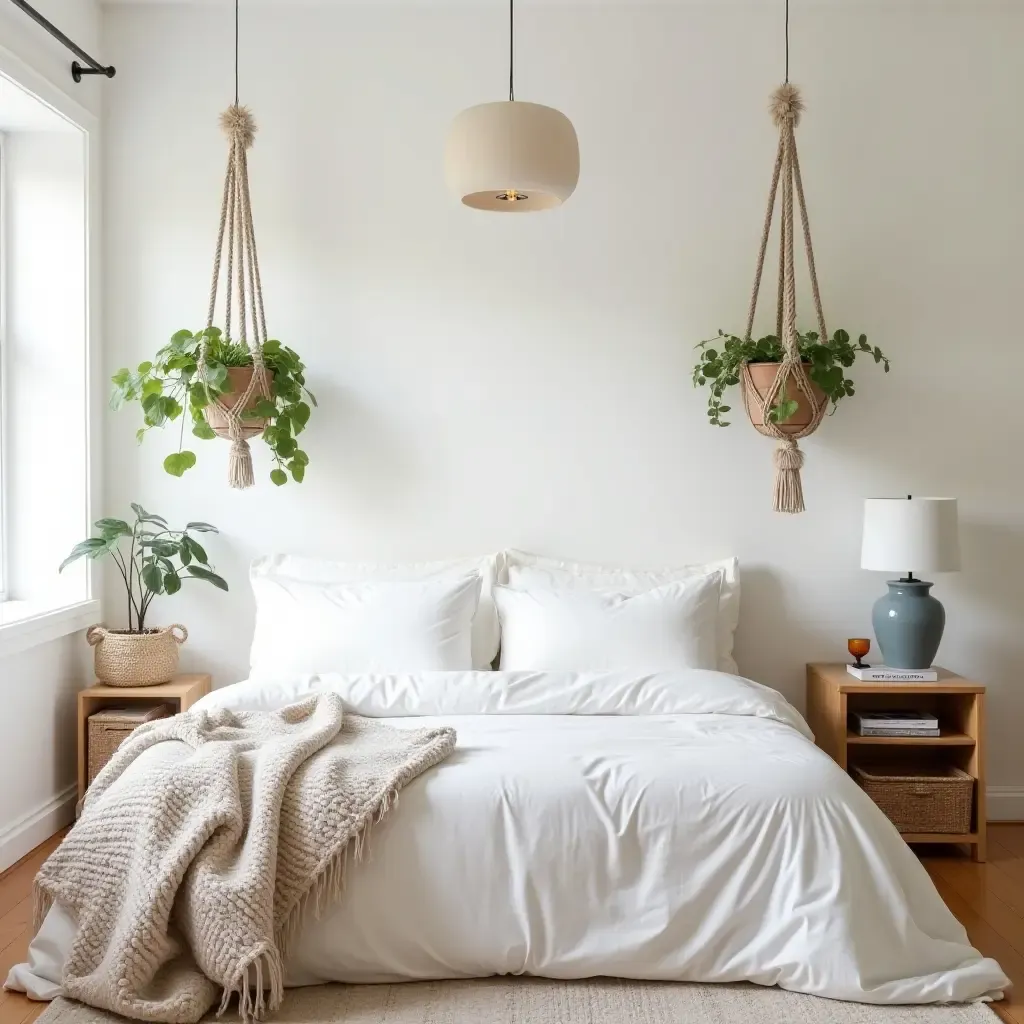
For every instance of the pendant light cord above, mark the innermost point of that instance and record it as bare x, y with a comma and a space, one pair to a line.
236, 52
787, 42
512, 49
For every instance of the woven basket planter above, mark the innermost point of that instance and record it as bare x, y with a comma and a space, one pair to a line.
921, 799
136, 659
759, 377
238, 381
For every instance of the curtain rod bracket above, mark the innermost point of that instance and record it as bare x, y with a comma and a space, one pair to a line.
77, 70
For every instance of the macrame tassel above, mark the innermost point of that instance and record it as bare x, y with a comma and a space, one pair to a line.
240, 473
789, 491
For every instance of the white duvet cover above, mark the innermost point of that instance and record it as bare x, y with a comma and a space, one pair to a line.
675, 826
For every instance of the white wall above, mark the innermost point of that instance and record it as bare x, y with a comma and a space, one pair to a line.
489, 381
38, 686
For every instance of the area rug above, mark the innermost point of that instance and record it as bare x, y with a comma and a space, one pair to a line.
539, 1001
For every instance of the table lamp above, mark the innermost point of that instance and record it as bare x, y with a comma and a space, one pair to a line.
915, 535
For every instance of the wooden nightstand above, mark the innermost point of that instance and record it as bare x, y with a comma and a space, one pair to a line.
959, 704
182, 692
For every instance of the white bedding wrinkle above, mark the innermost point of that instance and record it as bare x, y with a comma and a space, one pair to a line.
669, 826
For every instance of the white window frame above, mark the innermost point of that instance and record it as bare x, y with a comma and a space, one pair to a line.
4, 563
24, 626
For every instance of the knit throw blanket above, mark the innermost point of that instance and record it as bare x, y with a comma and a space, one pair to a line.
187, 879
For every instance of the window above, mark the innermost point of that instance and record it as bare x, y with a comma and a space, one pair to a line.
44, 366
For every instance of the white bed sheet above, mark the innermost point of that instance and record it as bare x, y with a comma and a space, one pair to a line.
677, 826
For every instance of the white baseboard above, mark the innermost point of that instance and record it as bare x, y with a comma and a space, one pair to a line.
24, 835
1005, 803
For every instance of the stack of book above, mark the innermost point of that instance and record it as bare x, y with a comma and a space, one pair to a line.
894, 723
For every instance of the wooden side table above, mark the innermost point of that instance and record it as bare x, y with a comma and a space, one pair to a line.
182, 692
832, 693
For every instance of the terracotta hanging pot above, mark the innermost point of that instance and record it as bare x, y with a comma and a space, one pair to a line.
238, 382
757, 379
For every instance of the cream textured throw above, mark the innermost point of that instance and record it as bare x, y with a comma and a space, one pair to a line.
188, 879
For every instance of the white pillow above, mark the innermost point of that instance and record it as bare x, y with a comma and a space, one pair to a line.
314, 570
522, 569
667, 627
305, 628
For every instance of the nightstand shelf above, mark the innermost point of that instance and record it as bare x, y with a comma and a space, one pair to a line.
949, 738
958, 703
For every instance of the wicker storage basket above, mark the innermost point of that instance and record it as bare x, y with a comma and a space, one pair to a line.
108, 728
921, 799
136, 659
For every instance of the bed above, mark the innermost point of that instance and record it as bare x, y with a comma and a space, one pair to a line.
667, 825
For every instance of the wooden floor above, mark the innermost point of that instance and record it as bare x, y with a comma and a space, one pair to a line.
987, 898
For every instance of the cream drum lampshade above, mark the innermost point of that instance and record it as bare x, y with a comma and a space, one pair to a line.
512, 157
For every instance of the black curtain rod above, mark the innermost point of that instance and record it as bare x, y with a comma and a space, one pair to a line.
77, 70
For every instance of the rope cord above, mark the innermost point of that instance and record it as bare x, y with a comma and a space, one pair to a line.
236, 51
791, 379
512, 50
787, 43
236, 251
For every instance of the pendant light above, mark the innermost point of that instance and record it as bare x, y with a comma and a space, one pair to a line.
511, 156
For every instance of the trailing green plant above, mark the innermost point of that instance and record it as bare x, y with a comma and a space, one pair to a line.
721, 363
170, 384
158, 559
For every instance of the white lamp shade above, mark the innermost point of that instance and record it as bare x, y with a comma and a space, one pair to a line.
511, 147
911, 535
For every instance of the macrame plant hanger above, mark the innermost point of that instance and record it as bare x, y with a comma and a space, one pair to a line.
786, 107
236, 242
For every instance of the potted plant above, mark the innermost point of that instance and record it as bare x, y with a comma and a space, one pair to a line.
158, 561
170, 384
728, 360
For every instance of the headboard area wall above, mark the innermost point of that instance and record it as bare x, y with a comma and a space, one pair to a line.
489, 382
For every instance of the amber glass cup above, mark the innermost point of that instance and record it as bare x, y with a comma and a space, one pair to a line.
859, 649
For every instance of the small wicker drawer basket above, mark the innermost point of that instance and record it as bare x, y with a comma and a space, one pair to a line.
921, 799
109, 728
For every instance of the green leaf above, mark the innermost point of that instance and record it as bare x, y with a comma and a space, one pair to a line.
203, 429
206, 574
200, 527
216, 375
185, 552
113, 528
153, 578
140, 434
300, 457
91, 548
298, 471
180, 337
299, 413
145, 367
278, 476
171, 583
265, 408
165, 548
171, 409
783, 410
841, 337
177, 462
197, 550
122, 376
725, 408
153, 386
147, 517
285, 446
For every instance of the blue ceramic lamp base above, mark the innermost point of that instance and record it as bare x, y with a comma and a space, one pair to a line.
908, 624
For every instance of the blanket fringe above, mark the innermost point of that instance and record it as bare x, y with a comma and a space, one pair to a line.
329, 885
259, 971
